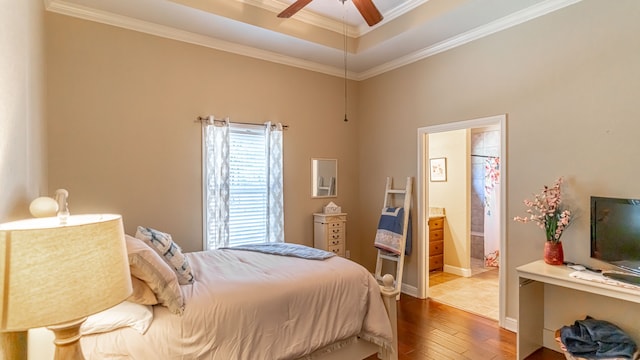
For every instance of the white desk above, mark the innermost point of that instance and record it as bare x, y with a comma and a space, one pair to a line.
549, 299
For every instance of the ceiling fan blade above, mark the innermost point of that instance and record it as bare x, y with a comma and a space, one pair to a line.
293, 8
368, 11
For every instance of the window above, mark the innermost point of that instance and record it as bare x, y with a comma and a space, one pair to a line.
247, 186
243, 185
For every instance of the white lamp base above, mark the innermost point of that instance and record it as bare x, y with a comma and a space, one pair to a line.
13, 345
68, 340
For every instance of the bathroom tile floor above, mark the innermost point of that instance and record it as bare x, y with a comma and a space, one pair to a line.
477, 294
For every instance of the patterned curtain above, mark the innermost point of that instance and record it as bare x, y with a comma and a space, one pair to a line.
275, 225
216, 160
491, 179
492, 217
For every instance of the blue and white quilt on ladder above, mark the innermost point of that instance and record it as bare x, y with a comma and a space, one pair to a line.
390, 229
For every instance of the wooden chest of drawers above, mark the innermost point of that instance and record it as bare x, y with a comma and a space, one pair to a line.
330, 232
436, 243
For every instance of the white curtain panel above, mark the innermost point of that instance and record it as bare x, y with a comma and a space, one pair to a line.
275, 226
216, 161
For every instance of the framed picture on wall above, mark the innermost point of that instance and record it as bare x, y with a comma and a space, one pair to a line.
438, 169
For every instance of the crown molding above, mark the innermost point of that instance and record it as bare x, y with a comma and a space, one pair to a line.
504, 23
124, 22
65, 8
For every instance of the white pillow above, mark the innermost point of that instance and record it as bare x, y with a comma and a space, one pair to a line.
125, 314
148, 266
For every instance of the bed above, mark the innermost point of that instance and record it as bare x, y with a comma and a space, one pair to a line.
245, 304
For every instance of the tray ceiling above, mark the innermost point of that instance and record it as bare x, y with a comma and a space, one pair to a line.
315, 37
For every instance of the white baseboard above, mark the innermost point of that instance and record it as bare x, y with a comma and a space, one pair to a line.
511, 324
409, 290
457, 271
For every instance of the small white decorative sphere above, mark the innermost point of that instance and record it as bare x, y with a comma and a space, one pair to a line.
387, 281
43, 207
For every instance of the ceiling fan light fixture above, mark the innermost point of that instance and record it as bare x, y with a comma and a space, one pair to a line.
366, 8
293, 8
368, 11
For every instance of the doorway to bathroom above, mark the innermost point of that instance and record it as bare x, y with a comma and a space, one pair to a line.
467, 272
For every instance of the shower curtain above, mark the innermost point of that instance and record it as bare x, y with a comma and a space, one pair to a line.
492, 212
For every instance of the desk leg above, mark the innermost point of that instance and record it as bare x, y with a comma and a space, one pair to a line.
530, 317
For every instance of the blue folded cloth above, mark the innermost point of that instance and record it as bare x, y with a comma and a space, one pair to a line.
597, 339
390, 230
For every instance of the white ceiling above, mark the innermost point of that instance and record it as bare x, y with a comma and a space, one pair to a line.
314, 38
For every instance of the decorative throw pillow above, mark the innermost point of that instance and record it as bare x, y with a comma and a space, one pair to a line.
148, 266
136, 316
142, 293
164, 245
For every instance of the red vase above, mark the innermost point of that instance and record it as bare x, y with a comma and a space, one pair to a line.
553, 253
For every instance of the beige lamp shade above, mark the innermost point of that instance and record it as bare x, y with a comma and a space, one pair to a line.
52, 274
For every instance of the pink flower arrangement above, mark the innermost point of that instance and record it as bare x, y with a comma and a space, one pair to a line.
546, 211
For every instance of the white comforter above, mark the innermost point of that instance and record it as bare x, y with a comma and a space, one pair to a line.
248, 305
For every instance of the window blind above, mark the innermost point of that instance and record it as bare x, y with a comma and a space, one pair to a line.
248, 184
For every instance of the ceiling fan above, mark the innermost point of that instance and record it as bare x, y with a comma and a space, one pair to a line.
366, 8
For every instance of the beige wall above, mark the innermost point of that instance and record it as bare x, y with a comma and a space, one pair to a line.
22, 171
123, 136
22, 125
569, 83
454, 196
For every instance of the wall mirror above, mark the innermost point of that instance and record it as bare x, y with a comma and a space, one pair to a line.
324, 178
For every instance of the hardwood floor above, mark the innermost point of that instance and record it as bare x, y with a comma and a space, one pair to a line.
428, 330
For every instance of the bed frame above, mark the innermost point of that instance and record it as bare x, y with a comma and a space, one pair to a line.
362, 349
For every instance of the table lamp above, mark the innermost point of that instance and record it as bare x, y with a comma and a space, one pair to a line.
55, 275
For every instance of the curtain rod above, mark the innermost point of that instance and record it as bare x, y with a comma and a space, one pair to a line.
205, 119
486, 156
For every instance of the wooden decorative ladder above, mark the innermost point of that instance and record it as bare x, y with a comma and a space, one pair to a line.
389, 195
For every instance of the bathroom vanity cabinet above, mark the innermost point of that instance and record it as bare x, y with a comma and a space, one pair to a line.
436, 243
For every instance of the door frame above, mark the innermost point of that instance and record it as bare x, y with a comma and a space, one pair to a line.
423, 201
